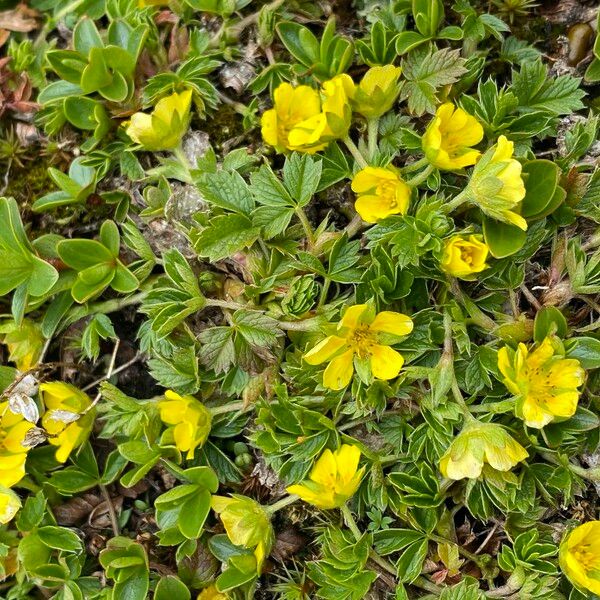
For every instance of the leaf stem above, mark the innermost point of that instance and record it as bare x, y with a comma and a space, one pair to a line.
271, 509
351, 523
415, 166
324, 291
493, 407
449, 353
354, 226
358, 157
308, 230
227, 408
372, 133
420, 177
455, 203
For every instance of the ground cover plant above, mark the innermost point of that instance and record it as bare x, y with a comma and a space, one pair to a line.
299, 300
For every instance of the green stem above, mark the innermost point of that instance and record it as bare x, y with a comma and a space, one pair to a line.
215, 302
354, 226
421, 177
415, 166
304, 325
372, 132
173, 468
227, 408
308, 230
477, 315
349, 520
358, 157
493, 408
449, 355
271, 509
106, 307
455, 203
324, 291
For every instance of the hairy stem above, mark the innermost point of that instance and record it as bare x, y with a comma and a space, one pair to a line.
358, 157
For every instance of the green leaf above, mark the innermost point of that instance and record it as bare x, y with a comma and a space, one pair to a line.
426, 71
301, 176
171, 588
389, 541
86, 36
217, 350
82, 254
537, 91
60, 538
224, 236
256, 328
503, 239
300, 42
541, 178
548, 321
411, 561
228, 190
193, 514
408, 40
268, 190
586, 350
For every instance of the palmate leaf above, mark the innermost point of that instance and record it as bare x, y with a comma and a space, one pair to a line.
538, 92
425, 72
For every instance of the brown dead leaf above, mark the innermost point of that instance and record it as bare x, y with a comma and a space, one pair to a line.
76, 510
99, 518
21, 18
287, 544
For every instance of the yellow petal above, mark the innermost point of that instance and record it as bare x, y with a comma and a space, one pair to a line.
324, 471
392, 322
353, 317
385, 362
339, 371
347, 458
324, 350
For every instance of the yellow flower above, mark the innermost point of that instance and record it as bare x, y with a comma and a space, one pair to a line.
544, 382
496, 185
333, 480
377, 91
13, 429
449, 136
479, 443
24, 342
165, 126
363, 336
190, 421
67, 430
10, 504
381, 193
332, 122
464, 257
246, 523
336, 105
299, 119
579, 556
211, 593
293, 107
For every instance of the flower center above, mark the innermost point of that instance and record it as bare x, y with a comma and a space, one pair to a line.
586, 557
387, 190
361, 340
466, 255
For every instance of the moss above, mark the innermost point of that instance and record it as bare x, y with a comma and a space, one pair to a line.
222, 125
26, 184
